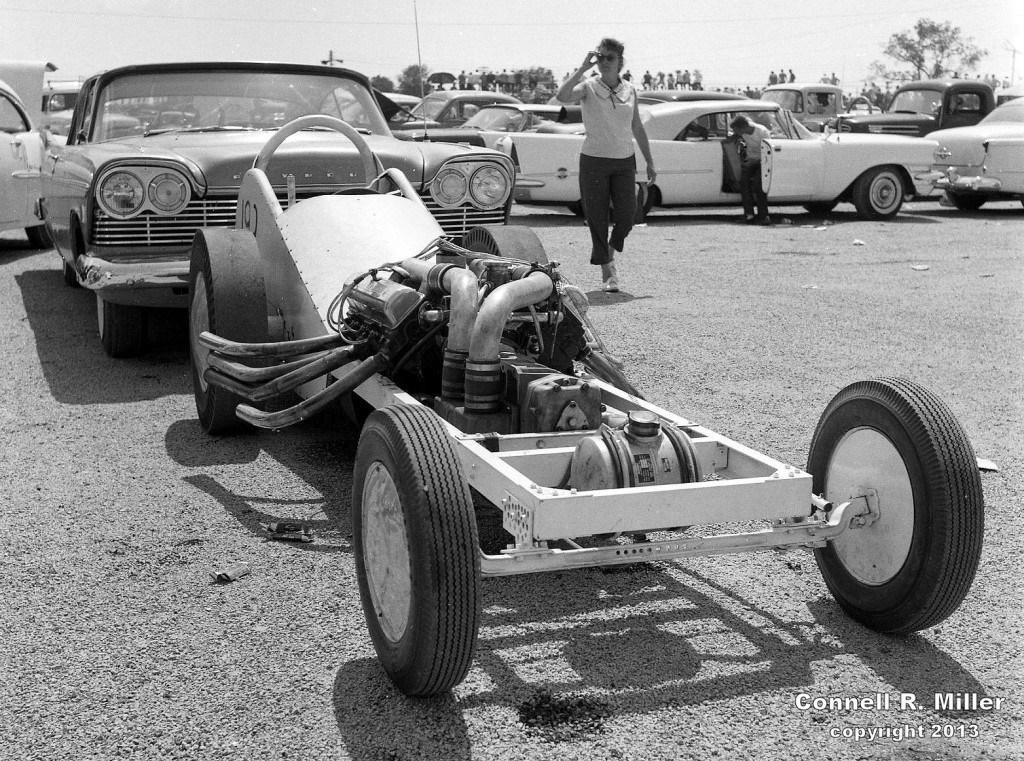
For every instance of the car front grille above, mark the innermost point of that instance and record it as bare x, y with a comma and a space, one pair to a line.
147, 230
152, 230
457, 222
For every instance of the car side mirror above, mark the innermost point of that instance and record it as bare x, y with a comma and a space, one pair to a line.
44, 136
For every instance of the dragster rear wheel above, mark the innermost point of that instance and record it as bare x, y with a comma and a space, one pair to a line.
416, 548
227, 297
909, 565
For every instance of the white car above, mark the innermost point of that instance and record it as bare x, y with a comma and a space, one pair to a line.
21, 154
984, 162
689, 145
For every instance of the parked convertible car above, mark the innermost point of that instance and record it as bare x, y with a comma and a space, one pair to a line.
21, 153
984, 162
873, 172
449, 108
490, 122
158, 151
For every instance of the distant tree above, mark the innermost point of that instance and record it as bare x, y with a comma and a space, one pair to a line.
931, 49
409, 81
382, 83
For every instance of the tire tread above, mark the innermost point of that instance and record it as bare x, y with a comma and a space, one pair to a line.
447, 534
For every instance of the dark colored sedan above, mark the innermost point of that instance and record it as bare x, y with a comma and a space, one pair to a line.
487, 124
158, 151
449, 108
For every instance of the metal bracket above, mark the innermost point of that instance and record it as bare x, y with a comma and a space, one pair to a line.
517, 519
863, 520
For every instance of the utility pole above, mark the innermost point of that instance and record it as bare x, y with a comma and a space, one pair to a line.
331, 60
1013, 62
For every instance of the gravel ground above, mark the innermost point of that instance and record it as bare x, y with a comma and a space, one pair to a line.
116, 508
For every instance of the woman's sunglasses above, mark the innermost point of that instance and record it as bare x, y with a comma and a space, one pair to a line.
606, 57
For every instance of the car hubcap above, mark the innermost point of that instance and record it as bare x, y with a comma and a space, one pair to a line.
866, 459
386, 552
199, 321
885, 192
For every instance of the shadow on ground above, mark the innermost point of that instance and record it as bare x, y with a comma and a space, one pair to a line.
699, 639
13, 248
320, 451
63, 322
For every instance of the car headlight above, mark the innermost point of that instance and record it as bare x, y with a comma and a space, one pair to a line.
489, 187
168, 192
121, 194
449, 187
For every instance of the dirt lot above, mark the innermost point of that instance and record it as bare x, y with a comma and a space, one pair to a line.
116, 508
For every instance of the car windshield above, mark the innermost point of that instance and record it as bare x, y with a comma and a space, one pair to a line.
1009, 113
151, 102
771, 119
791, 100
429, 108
496, 119
917, 102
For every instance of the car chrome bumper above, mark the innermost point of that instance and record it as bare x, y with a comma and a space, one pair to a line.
968, 184
102, 275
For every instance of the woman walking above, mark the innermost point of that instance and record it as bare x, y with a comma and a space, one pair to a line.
607, 158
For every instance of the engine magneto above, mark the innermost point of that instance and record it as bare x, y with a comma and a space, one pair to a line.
640, 454
385, 302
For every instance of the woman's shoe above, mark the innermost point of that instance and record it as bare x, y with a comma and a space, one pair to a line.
611, 278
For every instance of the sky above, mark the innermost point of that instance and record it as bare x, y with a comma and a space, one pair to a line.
735, 44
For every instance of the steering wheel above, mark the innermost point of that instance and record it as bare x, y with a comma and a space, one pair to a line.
305, 122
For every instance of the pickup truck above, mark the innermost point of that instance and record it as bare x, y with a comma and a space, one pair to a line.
924, 106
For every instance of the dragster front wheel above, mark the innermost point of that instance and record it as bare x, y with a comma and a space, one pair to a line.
227, 297
893, 446
416, 549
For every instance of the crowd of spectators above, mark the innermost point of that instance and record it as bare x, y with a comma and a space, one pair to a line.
677, 80
539, 85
